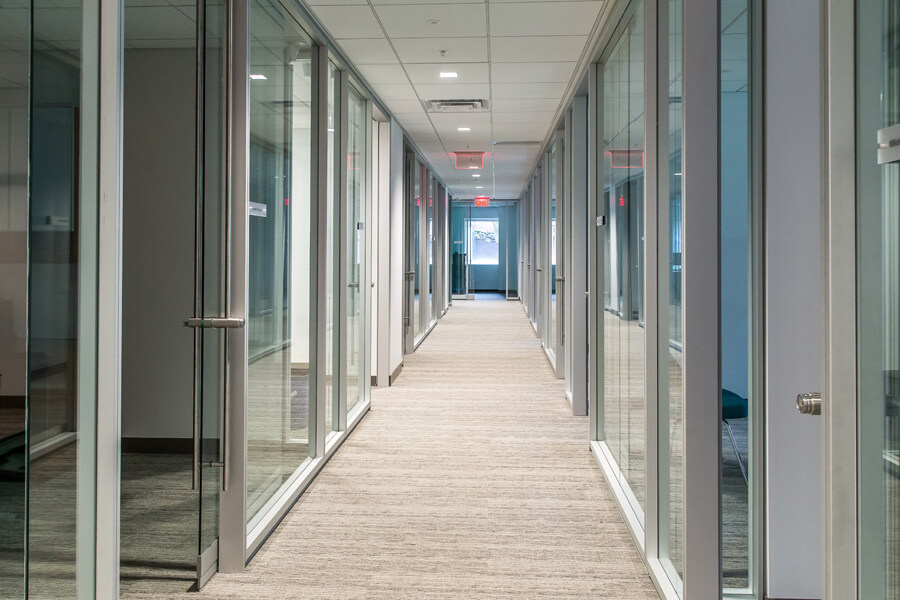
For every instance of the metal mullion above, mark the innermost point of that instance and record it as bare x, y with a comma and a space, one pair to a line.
317, 241
337, 325
595, 258
366, 282
232, 514
652, 258
701, 368
341, 214
840, 402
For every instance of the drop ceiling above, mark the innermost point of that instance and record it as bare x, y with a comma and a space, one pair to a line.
518, 55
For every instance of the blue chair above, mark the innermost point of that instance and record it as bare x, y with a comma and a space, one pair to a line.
734, 407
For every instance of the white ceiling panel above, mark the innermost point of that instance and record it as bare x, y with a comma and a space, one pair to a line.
537, 49
504, 91
525, 105
401, 107
428, 50
543, 18
369, 52
531, 118
402, 46
376, 74
543, 72
350, 21
433, 20
430, 73
444, 91
395, 91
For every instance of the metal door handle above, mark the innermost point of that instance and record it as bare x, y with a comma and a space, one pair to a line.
215, 323
809, 404
539, 270
560, 279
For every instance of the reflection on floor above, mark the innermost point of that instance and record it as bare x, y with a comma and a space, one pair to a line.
469, 479
159, 524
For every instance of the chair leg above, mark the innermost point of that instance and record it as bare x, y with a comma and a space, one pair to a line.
736, 453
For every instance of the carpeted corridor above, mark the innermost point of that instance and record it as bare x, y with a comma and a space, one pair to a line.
469, 478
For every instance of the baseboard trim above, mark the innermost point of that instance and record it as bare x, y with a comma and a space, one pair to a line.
12, 401
139, 445
396, 374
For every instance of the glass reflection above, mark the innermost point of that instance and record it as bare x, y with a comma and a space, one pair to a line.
623, 265
736, 294
356, 285
279, 319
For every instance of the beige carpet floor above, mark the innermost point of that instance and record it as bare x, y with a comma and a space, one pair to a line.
469, 478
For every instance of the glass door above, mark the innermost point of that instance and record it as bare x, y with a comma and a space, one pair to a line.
211, 321
878, 297
460, 255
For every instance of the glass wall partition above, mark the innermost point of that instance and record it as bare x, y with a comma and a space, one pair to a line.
48, 298
670, 311
739, 247
877, 293
357, 279
279, 319
332, 265
621, 168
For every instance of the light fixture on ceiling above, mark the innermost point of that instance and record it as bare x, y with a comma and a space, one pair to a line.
476, 175
449, 75
464, 129
258, 76
479, 187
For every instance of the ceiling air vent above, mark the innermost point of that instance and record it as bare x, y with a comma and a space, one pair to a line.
455, 106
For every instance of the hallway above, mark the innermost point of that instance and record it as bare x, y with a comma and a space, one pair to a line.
468, 479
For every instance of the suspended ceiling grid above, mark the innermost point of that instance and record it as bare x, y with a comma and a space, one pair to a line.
518, 55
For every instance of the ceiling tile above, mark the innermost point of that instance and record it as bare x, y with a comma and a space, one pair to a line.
544, 18
428, 50
433, 20
376, 74
401, 107
542, 72
395, 91
503, 91
444, 91
525, 105
349, 21
368, 52
529, 118
537, 49
431, 72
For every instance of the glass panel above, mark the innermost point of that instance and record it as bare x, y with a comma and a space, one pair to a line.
551, 259
736, 293
14, 73
332, 257
459, 248
356, 173
623, 265
213, 264
484, 240
878, 296
671, 391
279, 319
416, 248
61, 335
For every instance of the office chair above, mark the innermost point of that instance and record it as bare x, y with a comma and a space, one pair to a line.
734, 407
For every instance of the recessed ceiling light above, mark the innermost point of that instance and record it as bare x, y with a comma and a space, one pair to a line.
479, 187
475, 175
449, 75
463, 129
258, 76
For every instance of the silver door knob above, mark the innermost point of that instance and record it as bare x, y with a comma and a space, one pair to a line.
809, 404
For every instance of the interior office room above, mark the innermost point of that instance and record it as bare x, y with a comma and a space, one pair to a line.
510, 299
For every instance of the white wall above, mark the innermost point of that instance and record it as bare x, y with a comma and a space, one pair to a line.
300, 225
396, 233
794, 284
382, 257
158, 238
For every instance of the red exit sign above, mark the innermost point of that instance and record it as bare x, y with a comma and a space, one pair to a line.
482, 202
